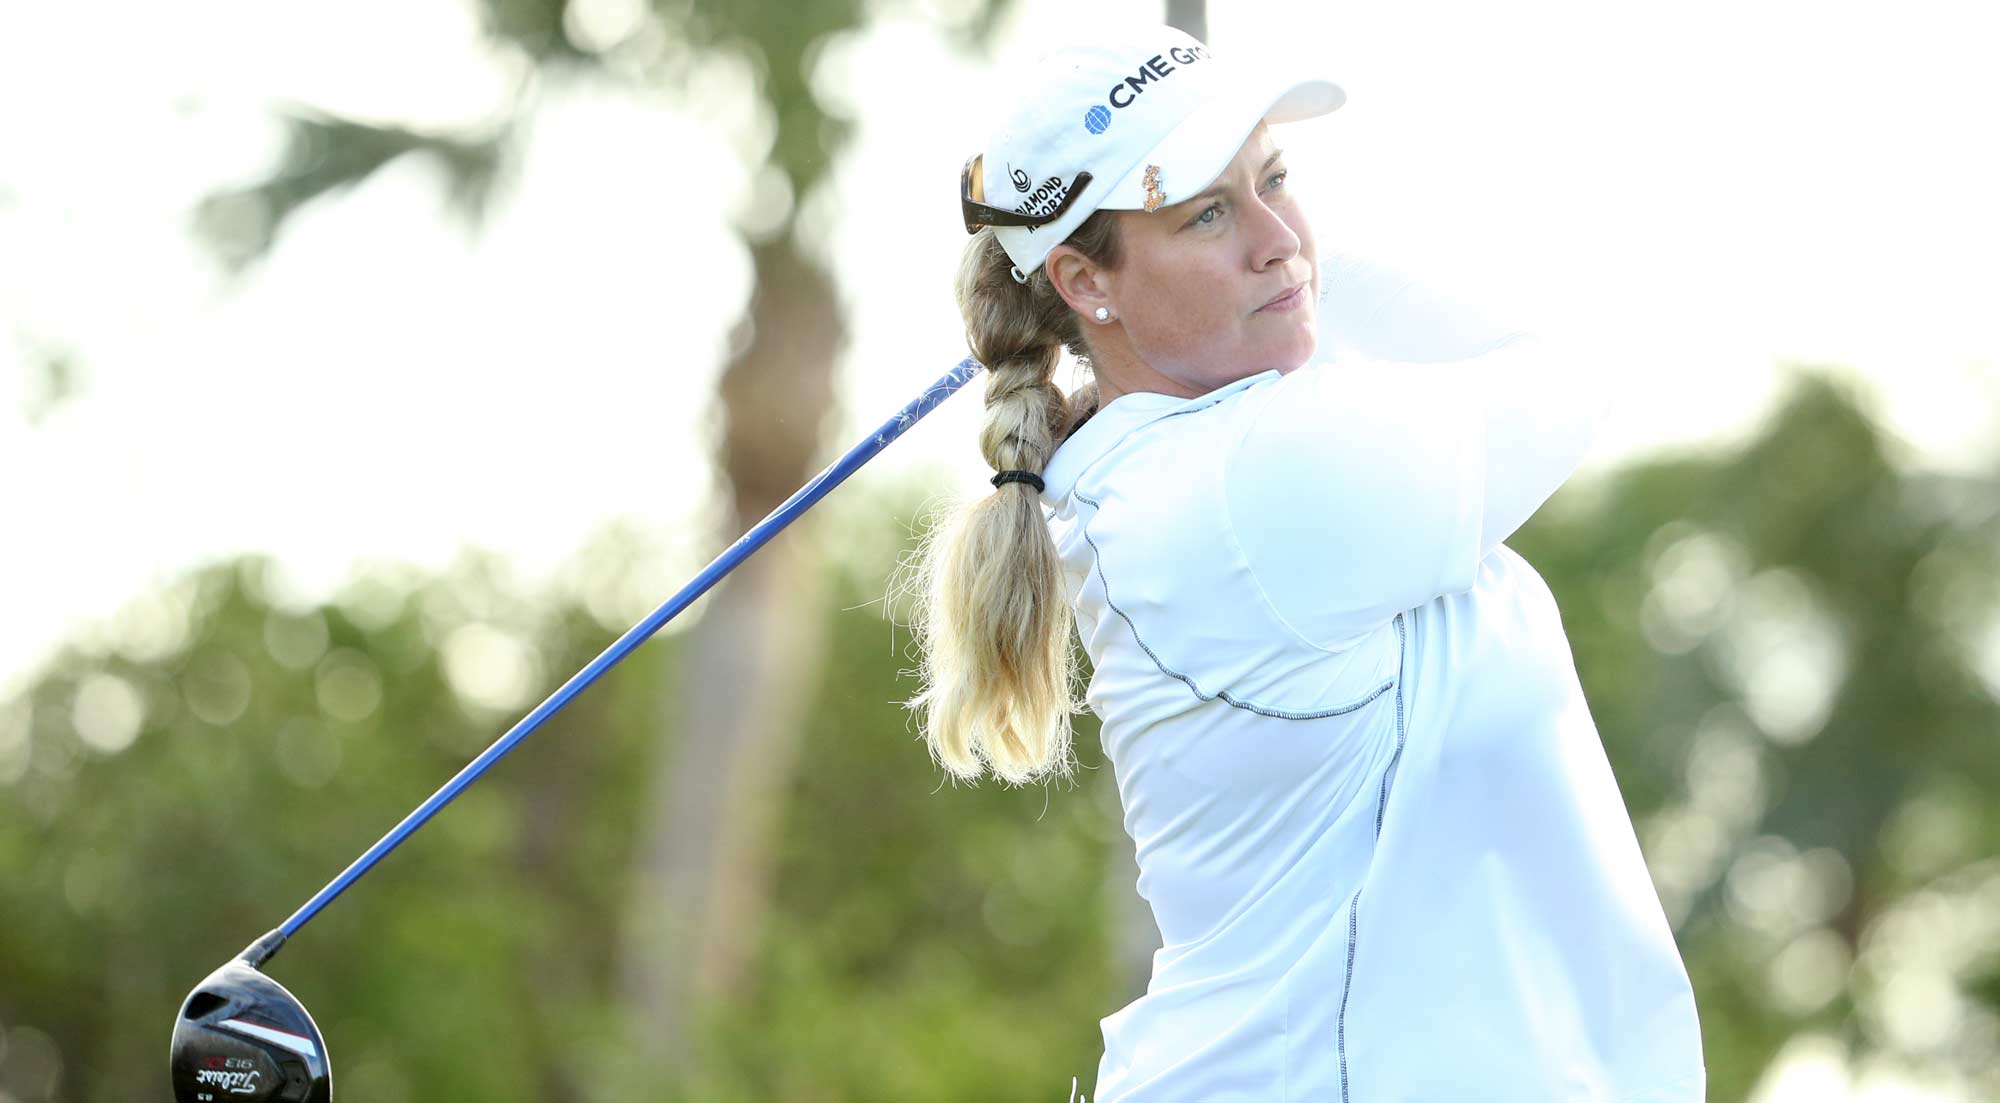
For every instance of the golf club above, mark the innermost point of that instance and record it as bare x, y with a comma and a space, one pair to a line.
240, 1035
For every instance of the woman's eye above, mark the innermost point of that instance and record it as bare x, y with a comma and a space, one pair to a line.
1202, 219
1278, 178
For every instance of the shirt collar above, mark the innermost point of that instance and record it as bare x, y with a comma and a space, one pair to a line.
1109, 425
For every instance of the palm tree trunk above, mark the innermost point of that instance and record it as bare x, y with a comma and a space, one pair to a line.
746, 673
1190, 16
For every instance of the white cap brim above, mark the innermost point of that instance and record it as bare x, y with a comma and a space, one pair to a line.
1194, 153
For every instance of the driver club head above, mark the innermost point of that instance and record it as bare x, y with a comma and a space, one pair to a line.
241, 1036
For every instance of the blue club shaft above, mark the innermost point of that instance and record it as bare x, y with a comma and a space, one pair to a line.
835, 474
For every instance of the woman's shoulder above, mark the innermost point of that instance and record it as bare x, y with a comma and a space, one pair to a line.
1161, 586
1144, 436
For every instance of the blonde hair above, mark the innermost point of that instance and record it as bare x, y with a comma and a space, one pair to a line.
992, 620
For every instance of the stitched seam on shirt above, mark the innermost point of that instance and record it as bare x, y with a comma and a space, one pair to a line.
1223, 695
1345, 988
1354, 907
1382, 805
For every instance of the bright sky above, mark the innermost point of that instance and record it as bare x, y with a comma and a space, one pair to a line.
1721, 189
1720, 186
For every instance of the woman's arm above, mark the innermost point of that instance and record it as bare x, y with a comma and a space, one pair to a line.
1379, 479
1543, 400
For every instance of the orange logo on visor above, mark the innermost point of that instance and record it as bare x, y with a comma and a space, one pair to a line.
1154, 196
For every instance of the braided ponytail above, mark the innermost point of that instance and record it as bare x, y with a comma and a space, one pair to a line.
993, 622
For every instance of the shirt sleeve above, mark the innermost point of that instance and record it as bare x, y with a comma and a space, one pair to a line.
1372, 484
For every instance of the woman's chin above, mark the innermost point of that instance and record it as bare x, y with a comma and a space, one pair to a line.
1300, 354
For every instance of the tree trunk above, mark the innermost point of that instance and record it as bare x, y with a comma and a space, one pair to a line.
745, 674
1190, 16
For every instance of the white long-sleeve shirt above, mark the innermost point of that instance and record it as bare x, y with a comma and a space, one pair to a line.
1373, 819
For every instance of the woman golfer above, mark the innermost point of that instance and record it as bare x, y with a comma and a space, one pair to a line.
1372, 817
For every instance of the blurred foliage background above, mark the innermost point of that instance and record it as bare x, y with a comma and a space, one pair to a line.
730, 872
1779, 645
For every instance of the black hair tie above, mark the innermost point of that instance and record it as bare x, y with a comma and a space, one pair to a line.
1029, 477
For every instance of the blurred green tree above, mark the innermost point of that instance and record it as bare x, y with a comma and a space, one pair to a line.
1790, 652
1788, 649
167, 796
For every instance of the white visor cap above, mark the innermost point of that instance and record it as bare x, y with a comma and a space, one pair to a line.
1153, 119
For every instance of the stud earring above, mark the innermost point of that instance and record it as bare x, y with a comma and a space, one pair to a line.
1103, 314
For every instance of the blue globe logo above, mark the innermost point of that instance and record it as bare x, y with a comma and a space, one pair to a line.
1096, 119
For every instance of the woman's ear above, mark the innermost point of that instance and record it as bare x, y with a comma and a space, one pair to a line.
1080, 282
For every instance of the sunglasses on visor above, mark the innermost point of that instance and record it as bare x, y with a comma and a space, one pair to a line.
978, 214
